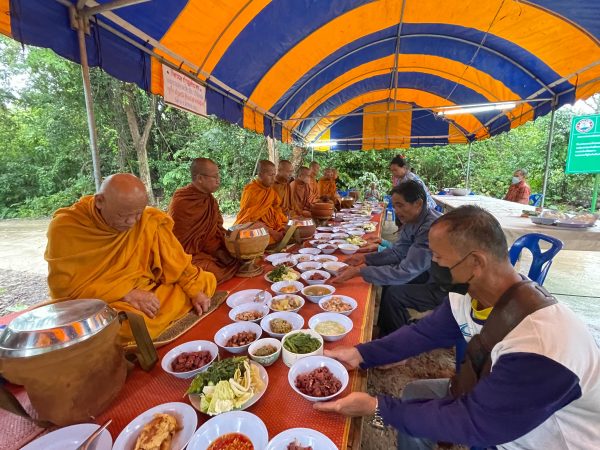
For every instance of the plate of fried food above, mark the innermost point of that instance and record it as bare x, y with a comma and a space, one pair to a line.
170, 425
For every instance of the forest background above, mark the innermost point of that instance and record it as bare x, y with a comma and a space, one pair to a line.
45, 161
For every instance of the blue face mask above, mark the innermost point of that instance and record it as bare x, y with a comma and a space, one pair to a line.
516, 180
442, 276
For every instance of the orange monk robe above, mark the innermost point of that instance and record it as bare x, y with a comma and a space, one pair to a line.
261, 204
303, 197
88, 259
199, 228
314, 187
285, 195
327, 188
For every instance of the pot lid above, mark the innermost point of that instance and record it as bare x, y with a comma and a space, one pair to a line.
246, 233
54, 326
302, 222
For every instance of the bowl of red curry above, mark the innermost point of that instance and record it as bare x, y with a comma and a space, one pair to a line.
189, 359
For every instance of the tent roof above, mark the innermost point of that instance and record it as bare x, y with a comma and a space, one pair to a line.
333, 69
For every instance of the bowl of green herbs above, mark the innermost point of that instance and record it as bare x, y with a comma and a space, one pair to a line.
299, 344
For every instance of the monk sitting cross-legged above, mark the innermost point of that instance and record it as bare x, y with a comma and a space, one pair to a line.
260, 203
198, 221
282, 184
313, 183
112, 247
303, 196
327, 188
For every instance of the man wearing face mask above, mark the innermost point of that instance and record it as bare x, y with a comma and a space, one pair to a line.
519, 191
531, 376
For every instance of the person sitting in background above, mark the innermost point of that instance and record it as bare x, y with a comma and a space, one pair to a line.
401, 173
303, 196
199, 223
519, 191
313, 183
282, 185
531, 377
403, 269
372, 194
111, 246
260, 203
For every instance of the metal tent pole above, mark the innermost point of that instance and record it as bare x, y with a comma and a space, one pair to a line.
549, 151
469, 166
89, 103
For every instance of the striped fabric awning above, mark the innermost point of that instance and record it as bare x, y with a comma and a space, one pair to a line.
363, 73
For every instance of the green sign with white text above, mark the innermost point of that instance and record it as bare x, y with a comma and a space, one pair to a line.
583, 155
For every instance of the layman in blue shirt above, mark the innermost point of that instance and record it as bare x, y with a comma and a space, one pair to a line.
403, 269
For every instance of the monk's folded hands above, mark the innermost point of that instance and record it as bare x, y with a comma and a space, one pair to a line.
143, 301
201, 302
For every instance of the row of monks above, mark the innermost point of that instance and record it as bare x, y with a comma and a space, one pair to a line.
113, 247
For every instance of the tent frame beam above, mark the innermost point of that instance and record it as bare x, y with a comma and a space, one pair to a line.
110, 6
549, 151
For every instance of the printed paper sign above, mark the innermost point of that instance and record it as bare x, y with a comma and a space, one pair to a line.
182, 92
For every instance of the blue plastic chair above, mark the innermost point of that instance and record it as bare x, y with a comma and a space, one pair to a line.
537, 272
535, 199
389, 209
343, 193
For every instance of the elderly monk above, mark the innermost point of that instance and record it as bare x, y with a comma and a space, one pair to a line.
303, 196
260, 203
327, 188
314, 173
282, 184
113, 247
198, 221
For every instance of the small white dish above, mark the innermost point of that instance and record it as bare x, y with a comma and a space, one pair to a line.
267, 360
334, 267
261, 308
292, 273
241, 422
324, 276
309, 251
306, 365
325, 258
289, 358
282, 297
348, 249
308, 265
297, 259
305, 437
187, 419
343, 320
356, 232
225, 333
325, 236
295, 320
186, 347
328, 248
275, 256
344, 298
339, 235
316, 298
325, 229
71, 437
246, 296
277, 287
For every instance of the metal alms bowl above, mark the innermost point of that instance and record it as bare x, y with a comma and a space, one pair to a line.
55, 326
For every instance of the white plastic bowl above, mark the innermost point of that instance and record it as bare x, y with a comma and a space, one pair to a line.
285, 260
265, 360
325, 258
242, 422
339, 236
290, 358
260, 307
344, 298
309, 273
247, 296
191, 346
337, 242
280, 297
334, 267
308, 265
306, 437
295, 320
356, 232
309, 251
328, 248
343, 320
324, 229
223, 335
348, 249
302, 258
276, 287
311, 363
315, 242
316, 298
323, 236
275, 256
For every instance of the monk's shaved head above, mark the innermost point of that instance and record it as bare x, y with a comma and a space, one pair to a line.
304, 174
266, 172
121, 200
284, 170
200, 166
314, 168
205, 175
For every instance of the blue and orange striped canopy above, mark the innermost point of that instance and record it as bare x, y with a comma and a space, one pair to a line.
364, 73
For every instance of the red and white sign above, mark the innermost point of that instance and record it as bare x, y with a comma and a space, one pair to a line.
182, 92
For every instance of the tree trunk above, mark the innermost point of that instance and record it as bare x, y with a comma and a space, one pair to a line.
273, 150
298, 154
140, 139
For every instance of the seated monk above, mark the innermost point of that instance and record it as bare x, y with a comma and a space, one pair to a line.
282, 185
327, 188
260, 203
198, 221
314, 173
303, 196
112, 247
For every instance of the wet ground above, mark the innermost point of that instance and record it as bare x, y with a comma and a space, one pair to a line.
573, 278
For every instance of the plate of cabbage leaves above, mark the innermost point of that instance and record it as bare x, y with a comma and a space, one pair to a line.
232, 384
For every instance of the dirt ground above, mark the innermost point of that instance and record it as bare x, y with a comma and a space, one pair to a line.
574, 275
